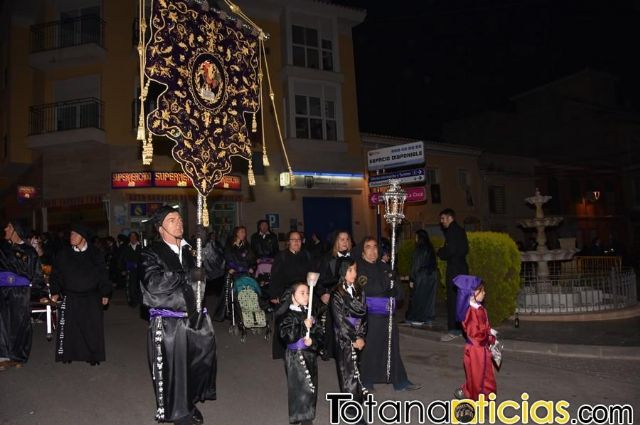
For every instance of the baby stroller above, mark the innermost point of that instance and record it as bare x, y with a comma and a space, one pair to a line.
246, 307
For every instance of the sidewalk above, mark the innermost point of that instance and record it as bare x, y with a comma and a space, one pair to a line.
606, 339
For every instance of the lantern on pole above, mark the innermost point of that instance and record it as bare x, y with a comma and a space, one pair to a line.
394, 199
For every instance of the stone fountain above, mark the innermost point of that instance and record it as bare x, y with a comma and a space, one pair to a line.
568, 292
542, 255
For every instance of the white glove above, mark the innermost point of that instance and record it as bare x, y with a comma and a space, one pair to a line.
494, 332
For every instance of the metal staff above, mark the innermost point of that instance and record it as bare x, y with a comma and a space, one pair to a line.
312, 279
199, 291
394, 202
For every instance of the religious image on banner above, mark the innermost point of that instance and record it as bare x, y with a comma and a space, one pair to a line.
209, 65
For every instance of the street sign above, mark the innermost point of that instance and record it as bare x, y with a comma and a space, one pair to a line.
396, 156
414, 195
397, 174
414, 175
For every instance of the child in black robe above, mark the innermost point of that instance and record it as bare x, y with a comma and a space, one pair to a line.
300, 361
349, 312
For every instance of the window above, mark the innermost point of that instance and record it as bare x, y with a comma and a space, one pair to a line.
432, 175
310, 49
149, 103
80, 26
463, 179
315, 112
497, 200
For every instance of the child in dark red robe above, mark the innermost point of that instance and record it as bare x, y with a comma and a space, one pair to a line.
478, 364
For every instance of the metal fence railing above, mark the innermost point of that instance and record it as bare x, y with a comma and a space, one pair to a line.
66, 33
577, 293
69, 115
577, 265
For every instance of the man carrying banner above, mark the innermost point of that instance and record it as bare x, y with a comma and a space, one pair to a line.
181, 342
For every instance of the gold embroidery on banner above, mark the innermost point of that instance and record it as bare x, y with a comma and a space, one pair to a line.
212, 75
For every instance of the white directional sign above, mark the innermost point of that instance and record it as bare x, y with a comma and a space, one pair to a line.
415, 175
396, 156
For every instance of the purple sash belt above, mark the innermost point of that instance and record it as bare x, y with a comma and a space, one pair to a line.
381, 305
163, 312
298, 345
131, 266
12, 279
354, 321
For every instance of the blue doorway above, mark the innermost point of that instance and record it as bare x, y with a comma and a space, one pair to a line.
326, 215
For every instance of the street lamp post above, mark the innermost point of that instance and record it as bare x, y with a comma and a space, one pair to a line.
394, 199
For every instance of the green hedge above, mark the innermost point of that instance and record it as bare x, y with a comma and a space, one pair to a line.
492, 256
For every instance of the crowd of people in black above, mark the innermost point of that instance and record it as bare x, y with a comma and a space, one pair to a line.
352, 320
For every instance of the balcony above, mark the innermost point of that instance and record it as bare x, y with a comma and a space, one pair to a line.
65, 43
63, 123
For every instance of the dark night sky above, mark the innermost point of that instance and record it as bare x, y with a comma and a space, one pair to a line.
422, 63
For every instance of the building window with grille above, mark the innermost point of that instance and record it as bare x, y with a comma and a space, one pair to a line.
316, 112
497, 200
464, 180
311, 49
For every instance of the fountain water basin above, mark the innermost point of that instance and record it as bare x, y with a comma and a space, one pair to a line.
536, 222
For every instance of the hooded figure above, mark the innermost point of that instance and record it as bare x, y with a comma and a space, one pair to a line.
467, 286
80, 279
478, 365
20, 228
19, 269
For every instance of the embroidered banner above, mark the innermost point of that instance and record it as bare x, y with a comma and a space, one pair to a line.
208, 64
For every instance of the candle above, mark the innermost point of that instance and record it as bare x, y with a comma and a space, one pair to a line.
312, 279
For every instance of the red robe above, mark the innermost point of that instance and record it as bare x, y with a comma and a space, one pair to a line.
478, 364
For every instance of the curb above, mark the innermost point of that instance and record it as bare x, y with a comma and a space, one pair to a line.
603, 352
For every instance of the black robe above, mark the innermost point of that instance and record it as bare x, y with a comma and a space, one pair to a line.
373, 360
82, 279
264, 246
329, 268
424, 276
181, 350
454, 252
129, 262
288, 268
240, 258
344, 306
303, 390
15, 313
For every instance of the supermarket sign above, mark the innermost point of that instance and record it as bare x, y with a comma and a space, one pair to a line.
165, 179
27, 192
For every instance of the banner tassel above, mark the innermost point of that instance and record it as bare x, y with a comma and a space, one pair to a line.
147, 151
205, 213
250, 175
